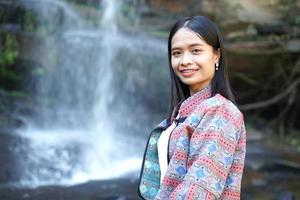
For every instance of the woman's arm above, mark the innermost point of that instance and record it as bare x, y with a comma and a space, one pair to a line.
216, 157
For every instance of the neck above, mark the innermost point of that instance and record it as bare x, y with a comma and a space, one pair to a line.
194, 90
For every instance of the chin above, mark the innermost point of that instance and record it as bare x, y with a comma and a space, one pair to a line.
188, 82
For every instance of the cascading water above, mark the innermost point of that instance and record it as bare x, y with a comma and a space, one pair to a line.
84, 126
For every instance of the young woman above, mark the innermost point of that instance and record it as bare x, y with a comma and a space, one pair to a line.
198, 152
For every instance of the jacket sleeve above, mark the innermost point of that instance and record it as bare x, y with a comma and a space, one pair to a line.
216, 156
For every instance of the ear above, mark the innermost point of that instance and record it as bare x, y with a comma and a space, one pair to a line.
217, 55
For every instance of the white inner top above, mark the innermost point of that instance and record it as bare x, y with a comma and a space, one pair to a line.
162, 146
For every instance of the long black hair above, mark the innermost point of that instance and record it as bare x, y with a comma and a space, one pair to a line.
209, 31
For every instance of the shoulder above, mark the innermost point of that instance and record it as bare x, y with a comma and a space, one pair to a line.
217, 115
219, 106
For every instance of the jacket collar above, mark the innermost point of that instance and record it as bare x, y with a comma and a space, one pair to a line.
190, 104
162, 124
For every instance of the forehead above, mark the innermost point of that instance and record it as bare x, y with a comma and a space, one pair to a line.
186, 37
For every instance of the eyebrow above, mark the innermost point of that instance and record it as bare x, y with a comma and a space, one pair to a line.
191, 45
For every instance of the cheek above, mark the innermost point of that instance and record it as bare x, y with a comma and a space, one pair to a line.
174, 63
202, 58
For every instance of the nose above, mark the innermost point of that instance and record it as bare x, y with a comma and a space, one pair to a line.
186, 60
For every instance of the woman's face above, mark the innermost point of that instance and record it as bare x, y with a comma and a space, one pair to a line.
192, 59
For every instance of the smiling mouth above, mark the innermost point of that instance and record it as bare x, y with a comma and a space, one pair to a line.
188, 72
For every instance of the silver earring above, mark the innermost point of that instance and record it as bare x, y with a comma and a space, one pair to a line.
217, 66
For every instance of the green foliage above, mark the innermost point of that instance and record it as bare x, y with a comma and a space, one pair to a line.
29, 21
297, 20
292, 140
38, 72
8, 50
18, 94
8, 53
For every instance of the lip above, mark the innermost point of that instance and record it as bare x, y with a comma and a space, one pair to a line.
188, 72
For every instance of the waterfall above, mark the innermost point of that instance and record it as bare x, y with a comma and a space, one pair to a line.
87, 124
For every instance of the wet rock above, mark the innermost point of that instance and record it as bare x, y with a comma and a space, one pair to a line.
259, 182
7, 158
123, 190
285, 196
279, 29
8, 117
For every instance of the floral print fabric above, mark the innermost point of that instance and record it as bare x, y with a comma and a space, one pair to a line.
207, 151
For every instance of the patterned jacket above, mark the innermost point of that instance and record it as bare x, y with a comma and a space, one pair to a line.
206, 152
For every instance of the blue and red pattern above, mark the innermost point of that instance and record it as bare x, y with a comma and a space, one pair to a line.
207, 153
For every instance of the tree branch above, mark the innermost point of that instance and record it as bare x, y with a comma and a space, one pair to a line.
272, 100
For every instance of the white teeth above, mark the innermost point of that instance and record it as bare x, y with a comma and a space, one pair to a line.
188, 70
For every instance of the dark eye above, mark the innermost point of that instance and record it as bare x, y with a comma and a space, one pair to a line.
196, 50
176, 53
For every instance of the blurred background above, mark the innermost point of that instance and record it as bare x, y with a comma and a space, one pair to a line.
82, 82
